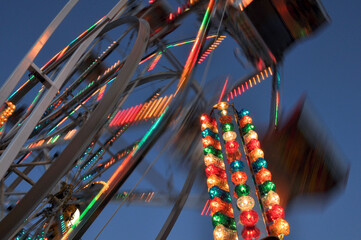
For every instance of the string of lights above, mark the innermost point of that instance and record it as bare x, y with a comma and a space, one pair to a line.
249, 83
245, 203
220, 199
273, 212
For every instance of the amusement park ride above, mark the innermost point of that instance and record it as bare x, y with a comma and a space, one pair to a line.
60, 161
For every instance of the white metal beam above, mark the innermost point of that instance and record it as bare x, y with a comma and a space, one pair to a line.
19, 71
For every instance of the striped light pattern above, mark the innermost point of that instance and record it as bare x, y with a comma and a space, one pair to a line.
252, 81
181, 10
142, 112
211, 48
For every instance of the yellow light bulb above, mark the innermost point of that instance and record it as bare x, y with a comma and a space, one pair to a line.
249, 136
229, 136
270, 199
211, 159
279, 227
222, 105
219, 232
245, 203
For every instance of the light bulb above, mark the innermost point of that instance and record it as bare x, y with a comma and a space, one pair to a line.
248, 218
249, 136
225, 119
239, 177
255, 154
263, 175
222, 105
270, 199
245, 120
231, 146
279, 227
245, 203
229, 136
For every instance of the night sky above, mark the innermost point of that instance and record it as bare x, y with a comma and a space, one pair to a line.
325, 67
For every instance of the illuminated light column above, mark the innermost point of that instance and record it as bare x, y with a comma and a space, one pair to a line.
250, 224
220, 199
273, 213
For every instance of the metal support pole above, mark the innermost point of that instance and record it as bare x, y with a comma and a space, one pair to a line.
19, 71
30, 164
181, 200
11, 223
23, 134
2, 195
23, 176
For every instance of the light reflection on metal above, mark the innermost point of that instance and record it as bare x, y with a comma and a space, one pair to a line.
70, 134
205, 207
155, 62
244, 3
192, 57
101, 93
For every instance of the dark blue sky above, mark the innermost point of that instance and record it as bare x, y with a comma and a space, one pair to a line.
326, 67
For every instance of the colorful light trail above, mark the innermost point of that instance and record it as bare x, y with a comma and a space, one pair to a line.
113, 179
192, 57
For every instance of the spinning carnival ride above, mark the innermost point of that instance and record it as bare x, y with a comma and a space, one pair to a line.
61, 160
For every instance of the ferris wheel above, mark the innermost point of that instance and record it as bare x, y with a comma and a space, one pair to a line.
60, 157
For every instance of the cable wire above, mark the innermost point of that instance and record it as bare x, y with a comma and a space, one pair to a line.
132, 190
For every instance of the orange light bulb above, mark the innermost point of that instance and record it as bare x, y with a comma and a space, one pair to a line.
263, 175
255, 154
239, 178
245, 120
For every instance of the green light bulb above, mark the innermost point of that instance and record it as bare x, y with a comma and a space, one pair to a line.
267, 186
219, 218
227, 127
232, 224
242, 190
210, 149
247, 128
219, 154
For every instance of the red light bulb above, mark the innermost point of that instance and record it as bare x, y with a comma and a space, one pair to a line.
233, 156
231, 146
248, 218
205, 118
249, 233
253, 144
275, 212
225, 119
239, 178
